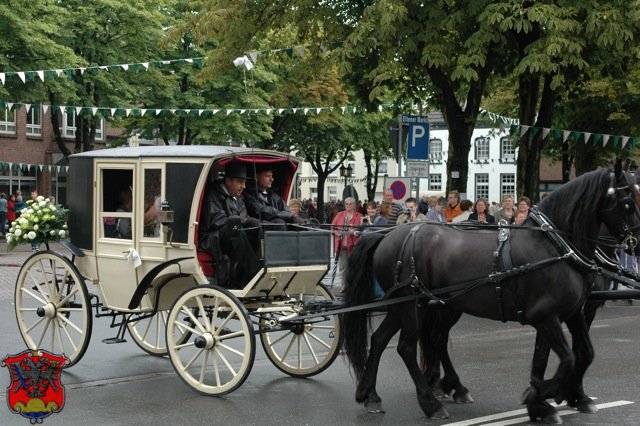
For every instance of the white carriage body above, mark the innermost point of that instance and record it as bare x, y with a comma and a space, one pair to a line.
179, 175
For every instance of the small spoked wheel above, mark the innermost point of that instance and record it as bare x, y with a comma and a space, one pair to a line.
52, 306
303, 348
149, 333
210, 340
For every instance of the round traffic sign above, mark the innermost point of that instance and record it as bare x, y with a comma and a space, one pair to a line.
399, 189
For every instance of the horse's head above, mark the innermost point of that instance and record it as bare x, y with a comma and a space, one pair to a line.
621, 214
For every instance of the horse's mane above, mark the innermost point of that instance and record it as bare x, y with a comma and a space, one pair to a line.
574, 206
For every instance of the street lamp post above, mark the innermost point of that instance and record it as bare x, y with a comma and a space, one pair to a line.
345, 172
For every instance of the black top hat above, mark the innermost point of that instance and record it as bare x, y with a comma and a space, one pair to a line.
263, 167
235, 169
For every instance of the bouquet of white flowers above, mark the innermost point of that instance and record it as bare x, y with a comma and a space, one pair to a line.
39, 222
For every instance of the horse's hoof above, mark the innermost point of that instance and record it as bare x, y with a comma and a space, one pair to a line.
440, 413
587, 406
439, 393
552, 419
462, 398
530, 395
374, 407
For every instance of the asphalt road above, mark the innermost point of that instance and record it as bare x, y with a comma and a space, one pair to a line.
121, 385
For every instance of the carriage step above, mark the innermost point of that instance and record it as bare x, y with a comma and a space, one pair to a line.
114, 340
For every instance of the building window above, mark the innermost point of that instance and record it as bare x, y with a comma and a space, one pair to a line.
482, 149
482, 185
336, 171
314, 194
382, 166
507, 185
7, 121
333, 193
34, 121
507, 150
69, 126
435, 182
435, 150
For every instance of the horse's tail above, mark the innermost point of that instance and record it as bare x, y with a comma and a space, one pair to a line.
358, 291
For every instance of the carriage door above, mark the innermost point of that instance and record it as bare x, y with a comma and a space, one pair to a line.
116, 230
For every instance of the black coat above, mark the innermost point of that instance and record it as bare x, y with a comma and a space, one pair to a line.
217, 207
490, 218
266, 206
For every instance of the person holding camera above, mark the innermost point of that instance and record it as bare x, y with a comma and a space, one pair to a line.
371, 217
372, 213
410, 213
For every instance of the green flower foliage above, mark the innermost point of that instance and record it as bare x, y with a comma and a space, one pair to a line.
39, 222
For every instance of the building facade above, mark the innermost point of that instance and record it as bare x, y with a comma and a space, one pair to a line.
492, 170
29, 157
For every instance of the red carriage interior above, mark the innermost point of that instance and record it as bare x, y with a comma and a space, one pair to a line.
284, 170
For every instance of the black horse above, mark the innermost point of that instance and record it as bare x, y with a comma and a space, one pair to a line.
543, 285
434, 345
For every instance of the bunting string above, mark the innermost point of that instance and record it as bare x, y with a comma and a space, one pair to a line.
4, 165
27, 76
195, 112
577, 136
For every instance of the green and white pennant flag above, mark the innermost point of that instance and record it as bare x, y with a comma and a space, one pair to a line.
625, 139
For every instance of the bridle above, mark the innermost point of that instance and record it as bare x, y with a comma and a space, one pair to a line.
628, 207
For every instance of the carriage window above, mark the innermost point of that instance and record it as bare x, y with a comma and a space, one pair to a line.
152, 202
117, 203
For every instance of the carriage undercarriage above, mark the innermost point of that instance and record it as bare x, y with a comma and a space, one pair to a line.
209, 332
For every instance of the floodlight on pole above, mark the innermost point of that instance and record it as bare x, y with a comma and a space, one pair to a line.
243, 61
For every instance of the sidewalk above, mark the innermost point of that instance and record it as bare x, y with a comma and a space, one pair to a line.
10, 263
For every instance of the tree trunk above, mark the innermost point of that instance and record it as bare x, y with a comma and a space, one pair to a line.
460, 122
55, 124
372, 176
528, 92
458, 156
181, 132
532, 142
585, 157
322, 178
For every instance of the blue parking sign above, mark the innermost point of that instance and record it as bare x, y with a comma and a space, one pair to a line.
417, 137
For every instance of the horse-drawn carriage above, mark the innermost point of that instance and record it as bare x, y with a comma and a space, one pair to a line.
152, 280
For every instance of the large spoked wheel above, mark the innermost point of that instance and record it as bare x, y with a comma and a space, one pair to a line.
52, 305
149, 333
303, 348
210, 340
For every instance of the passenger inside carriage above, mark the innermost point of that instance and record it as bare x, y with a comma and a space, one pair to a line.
225, 229
265, 204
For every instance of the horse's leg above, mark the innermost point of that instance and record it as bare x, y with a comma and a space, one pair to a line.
583, 350
408, 350
450, 381
430, 345
366, 390
540, 358
559, 386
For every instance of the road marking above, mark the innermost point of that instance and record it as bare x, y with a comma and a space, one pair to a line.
563, 411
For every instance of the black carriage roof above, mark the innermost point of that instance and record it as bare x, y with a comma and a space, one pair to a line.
184, 151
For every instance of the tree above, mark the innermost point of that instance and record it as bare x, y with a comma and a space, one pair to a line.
557, 44
33, 38
106, 32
